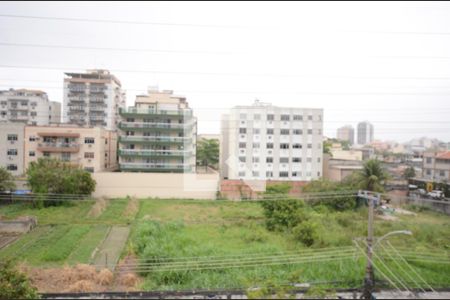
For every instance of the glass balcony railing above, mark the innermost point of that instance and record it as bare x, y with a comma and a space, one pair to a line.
141, 166
58, 147
146, 111
165, 153
150, 139
138, 125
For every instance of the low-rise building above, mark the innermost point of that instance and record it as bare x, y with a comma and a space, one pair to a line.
436, 166
11, 147
93, 148
158, 134
336, 169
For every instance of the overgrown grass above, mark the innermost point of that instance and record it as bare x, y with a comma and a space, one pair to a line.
86, 246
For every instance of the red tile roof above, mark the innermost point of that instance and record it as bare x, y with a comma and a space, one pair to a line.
443, 155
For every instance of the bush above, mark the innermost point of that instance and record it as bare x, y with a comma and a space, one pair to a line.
13, 284
341, 201
306, 232
283, 214
6, 180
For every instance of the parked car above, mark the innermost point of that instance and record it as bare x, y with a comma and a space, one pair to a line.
422, 192
435, 194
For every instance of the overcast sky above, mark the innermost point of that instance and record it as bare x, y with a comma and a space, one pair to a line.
388, 63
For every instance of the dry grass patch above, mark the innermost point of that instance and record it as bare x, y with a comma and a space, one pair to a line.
98, 208
132, 208
105, 277
81, 286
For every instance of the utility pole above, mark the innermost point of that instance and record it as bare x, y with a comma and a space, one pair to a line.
369, 279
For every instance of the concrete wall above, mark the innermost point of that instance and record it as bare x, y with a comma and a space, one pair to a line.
234, 189
163, 185
18, 226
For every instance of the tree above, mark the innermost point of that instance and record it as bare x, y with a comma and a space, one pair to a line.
372, 176
13, 284
208, 152
327, 147
57, 177
339, 194
6, 180
409, 173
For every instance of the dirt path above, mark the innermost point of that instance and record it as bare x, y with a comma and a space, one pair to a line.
109, 252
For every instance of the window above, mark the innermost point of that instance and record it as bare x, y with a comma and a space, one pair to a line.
242, 145
106, 141
256, 131
46, 154
241, 174
3, 113
297, 146
284, 160
284, 146
318, 159
270, 117
269, 159
132, 120
32, 138
242, 158
308, 174
90, 140
255, 145
309, 146
31, 153
309, 159
310, 118
243, 116
284, 118
442, 173
284, 174
88, 154
429, 160
65, 156
297, 131
33, 114
298, 118
428, 172
255, 159
269, 131
257, 117
242, 130
255, 174
318, 173
12, 137
284, 131
310, 131
269, 174
296, 174
12, 152
269, 145
11, 167
89, 169
297, 159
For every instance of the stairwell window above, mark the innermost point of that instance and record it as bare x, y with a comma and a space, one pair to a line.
89, 140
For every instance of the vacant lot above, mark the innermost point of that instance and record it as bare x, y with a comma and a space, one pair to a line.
179, 244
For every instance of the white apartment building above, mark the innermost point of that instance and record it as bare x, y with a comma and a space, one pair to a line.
365, 133
11, 147
158, 134
92, 99
263, 142
30, 107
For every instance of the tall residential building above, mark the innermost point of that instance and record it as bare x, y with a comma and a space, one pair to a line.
262, 142
346, 133
11, 147
93, 148
365, 133
158, 134
92, 98
30, 107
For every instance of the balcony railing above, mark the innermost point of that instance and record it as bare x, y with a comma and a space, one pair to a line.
140, 166
96, 117
58, 147
138, 125
146, 111
164, 153
77, 108
77, 88
150, 139
97, 108
74, 98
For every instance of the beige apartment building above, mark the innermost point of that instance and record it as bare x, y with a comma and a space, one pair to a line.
346, 133
93, 148
436, 166
158, 134
11, 147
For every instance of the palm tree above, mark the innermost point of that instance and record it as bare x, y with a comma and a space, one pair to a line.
372, 176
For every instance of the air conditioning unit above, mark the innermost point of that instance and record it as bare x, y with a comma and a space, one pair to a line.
89, 160
90, 145
12, 142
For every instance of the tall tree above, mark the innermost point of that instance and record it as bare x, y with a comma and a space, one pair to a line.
372, 176
409, 173
6, 180
207, 152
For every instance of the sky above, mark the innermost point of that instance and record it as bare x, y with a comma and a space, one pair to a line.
384, 62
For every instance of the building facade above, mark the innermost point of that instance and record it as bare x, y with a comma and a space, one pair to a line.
365, 133
93, 98
92, 148
265, 142
436, 166
158, 134
346, 133
11, 147
30, 107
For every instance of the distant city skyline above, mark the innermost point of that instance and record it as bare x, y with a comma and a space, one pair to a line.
395, 73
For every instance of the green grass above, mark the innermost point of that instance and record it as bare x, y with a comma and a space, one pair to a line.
114, 213
84, 249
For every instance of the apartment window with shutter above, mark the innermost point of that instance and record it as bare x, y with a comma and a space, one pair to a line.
270, 117
269, 159
242, 130
284, 160
89, 140
12, 137
242, 159
12, 152
284, 146
296, 146
298, 118
255, 145
11, 167
255, 159
88, 154
269, 130
284, 174
242, 145
269, 145
296, 159
297, 131
284, 118
284, 131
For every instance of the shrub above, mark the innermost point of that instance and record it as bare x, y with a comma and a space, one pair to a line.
306, 232
283, 214
13, 284
6, 180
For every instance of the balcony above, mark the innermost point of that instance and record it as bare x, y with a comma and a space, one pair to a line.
98, 100
77, 108
100, 108
18, 118
77, 88
75, 98
58, 147
145, 167
97, 89
155, 153
143, 126
96, 117
133, 111
155, 139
